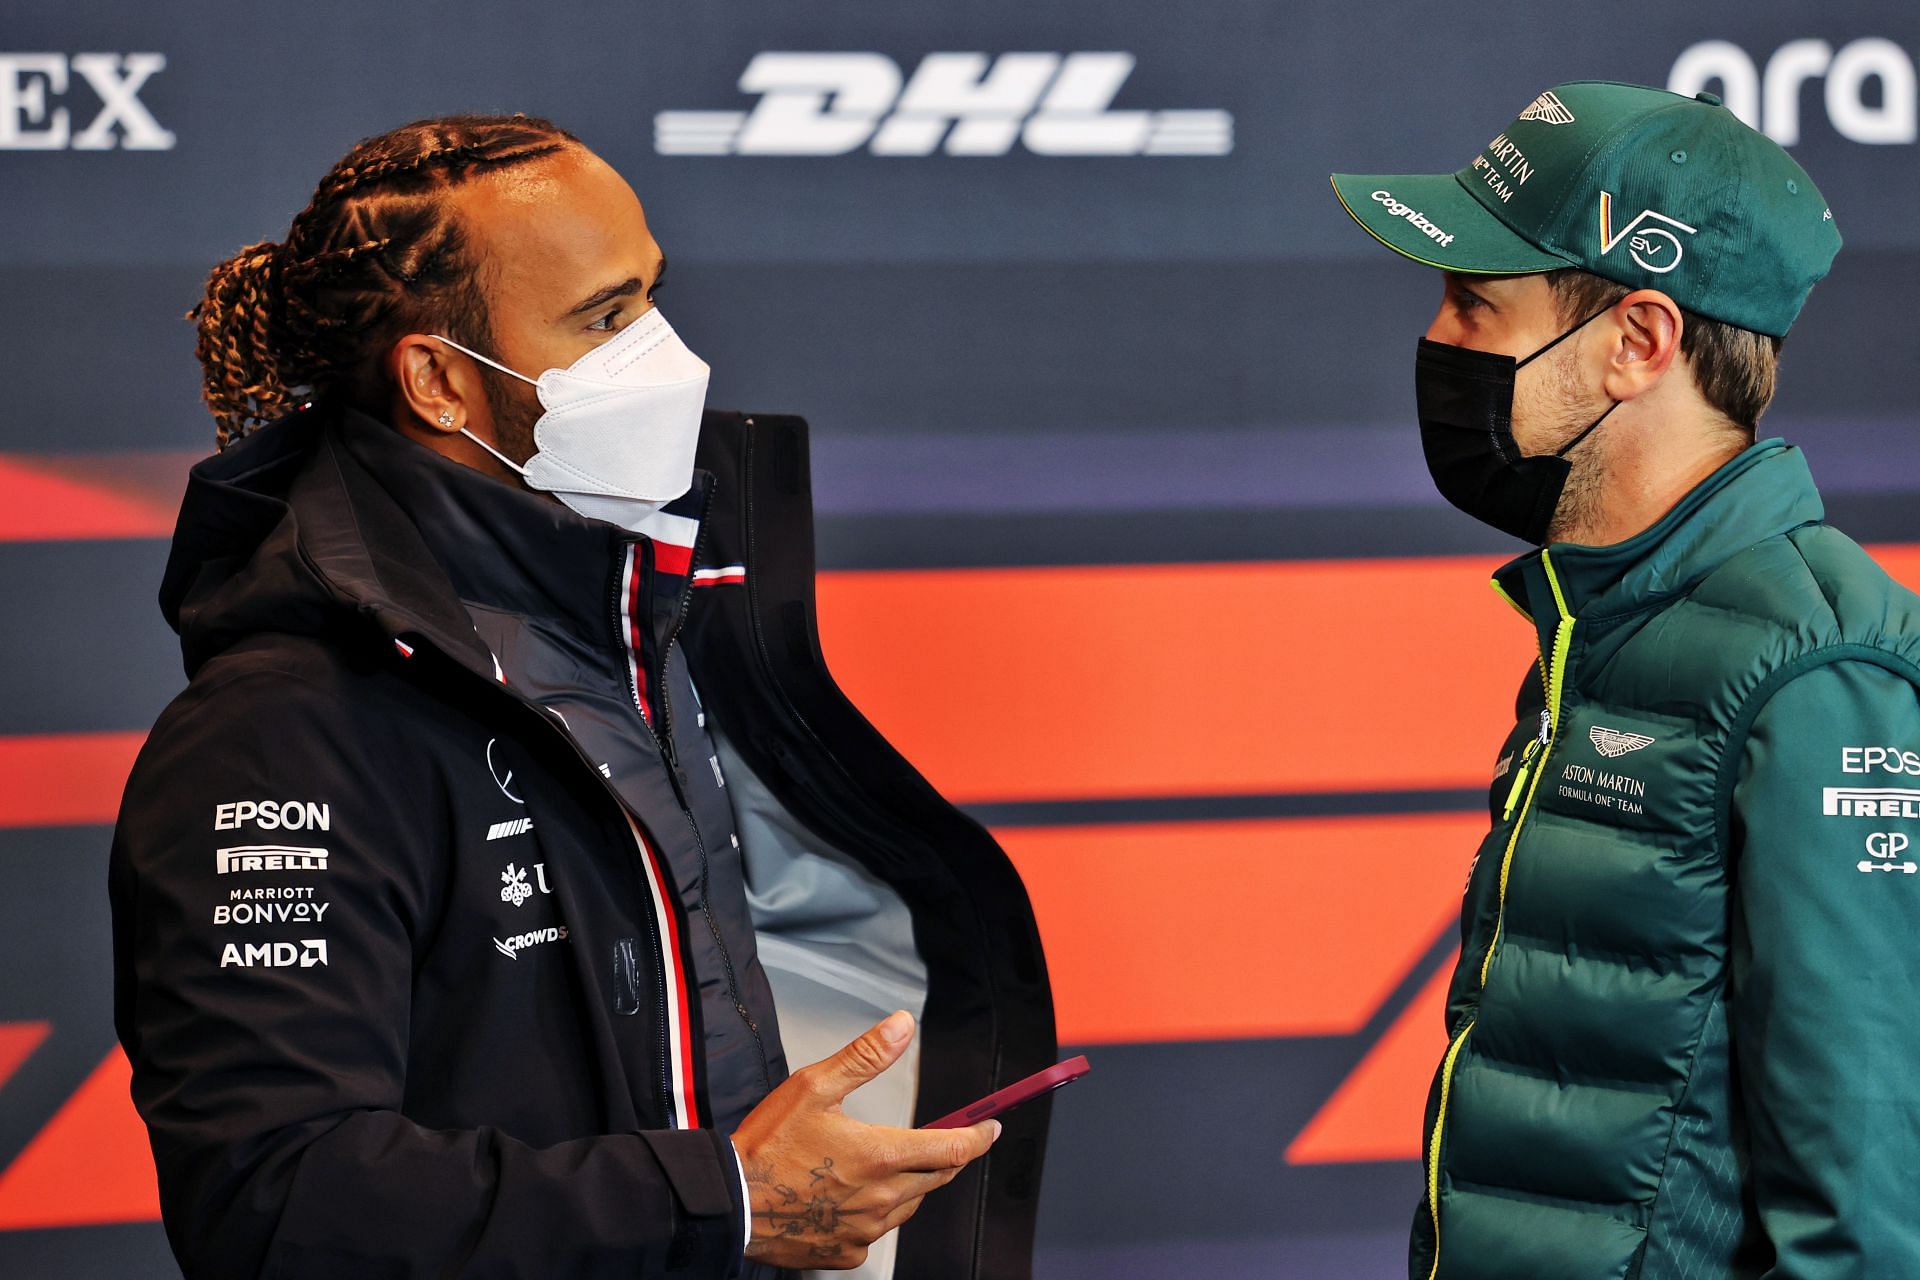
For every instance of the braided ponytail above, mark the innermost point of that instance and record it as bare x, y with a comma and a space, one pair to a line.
240, 344
377, 253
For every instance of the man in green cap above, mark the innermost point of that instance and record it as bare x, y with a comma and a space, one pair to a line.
1686, 1017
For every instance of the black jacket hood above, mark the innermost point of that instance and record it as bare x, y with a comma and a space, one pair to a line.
287, 532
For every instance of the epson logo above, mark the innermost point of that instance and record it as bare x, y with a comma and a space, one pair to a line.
273, 815
32, 83
274, 955
965, 104
1889, 113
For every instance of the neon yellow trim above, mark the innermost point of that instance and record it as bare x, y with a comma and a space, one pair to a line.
1553, 580
1553, 673
1515, 606
1433, 1144
1556, 675
1511, 602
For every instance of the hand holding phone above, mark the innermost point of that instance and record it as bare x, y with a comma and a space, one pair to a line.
1004, 1100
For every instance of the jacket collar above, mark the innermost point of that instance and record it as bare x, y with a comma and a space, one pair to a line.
292, 530
465, 538
1763, 492
500, 546
370, 553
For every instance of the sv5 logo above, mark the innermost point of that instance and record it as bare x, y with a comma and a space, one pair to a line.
1654, 247
828, 104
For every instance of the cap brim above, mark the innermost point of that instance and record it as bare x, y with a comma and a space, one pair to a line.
1432, 219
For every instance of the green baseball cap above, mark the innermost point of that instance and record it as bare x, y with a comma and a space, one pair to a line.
1644, 187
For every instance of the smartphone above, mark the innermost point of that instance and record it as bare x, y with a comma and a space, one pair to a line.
1004, 1100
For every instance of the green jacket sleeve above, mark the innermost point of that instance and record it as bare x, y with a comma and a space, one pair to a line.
1826, 971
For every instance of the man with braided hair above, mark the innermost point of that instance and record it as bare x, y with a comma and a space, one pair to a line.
510, 834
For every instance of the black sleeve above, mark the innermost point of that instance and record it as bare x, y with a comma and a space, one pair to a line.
270, 1061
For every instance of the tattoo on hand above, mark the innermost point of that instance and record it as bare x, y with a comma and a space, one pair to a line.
792, 1217
820, 1214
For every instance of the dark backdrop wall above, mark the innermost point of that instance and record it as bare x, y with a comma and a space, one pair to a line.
1079, 327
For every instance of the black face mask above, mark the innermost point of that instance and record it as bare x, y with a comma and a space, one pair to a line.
1465, 402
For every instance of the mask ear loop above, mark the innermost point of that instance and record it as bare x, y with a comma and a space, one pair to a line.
533, 382
1568, 447
1521, 365
505, 461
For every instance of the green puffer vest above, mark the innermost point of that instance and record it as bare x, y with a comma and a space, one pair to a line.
1586, 1120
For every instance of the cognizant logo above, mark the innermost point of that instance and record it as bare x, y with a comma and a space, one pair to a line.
965, 104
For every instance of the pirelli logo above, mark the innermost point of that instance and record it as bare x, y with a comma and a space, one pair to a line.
1870, 802
269, 857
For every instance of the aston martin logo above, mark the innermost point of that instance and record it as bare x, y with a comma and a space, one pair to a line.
1613, 742
1548, 109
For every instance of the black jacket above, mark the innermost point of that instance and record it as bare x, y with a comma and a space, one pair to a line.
354, 1050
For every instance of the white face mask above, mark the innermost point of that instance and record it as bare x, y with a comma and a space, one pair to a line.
617, 440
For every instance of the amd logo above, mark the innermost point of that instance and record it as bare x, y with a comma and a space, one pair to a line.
828, 104
1770, 101
275, 955
29, 82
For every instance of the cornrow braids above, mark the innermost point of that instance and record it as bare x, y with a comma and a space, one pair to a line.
377, 253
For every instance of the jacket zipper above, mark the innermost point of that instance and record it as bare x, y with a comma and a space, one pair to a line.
686, 810
1553, 674
622, 586
663, 734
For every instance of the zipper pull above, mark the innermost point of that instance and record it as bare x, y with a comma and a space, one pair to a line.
1519, 784
1528, 755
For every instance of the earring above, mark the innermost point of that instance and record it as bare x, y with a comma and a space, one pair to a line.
446, 417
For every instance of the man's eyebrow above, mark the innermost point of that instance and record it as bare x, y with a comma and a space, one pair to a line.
600, 297
625, 289
1456, 282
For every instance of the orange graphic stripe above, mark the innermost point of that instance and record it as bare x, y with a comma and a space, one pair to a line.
90, 1165
1181, 680
1244, 929
18, 1040
1376, 1113
64, 779
119, 495
1109, 682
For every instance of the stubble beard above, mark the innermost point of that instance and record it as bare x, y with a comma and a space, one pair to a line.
515, 408
1568, 406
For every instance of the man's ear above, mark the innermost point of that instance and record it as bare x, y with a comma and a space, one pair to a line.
436, 389
1645, 340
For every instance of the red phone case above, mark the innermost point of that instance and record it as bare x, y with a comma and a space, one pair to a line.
1003, 1100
